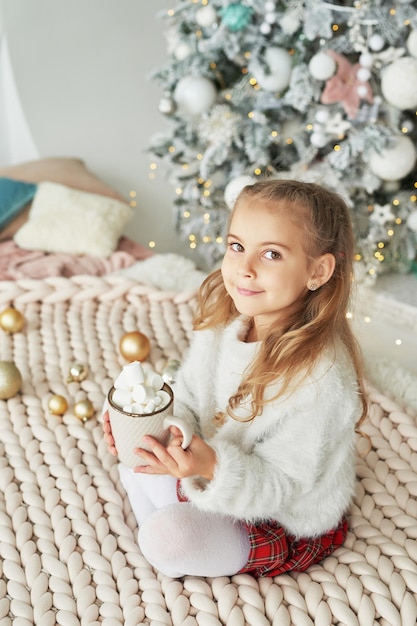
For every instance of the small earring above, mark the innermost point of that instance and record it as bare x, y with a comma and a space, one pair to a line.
313, 287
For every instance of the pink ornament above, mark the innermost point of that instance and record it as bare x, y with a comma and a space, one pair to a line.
343, 86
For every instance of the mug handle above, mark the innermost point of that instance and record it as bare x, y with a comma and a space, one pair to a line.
185, 428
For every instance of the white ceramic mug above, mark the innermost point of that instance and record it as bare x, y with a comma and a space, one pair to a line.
129, 428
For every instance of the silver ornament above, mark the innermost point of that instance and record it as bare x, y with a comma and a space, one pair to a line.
167, 105
169, 373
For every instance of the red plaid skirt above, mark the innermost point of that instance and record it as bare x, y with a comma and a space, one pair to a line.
274, 552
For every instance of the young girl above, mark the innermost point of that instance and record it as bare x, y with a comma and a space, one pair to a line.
273, 386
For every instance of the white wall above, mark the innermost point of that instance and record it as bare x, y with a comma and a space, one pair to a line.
82, 73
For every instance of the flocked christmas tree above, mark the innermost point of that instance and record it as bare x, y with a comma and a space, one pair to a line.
315, 90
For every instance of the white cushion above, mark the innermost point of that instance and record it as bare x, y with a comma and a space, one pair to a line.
67, 220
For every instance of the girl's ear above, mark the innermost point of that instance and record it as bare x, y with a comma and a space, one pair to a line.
323, 269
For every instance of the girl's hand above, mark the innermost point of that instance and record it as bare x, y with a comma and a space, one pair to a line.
199, 459
108, 434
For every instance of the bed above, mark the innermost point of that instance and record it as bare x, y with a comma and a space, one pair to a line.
67, 535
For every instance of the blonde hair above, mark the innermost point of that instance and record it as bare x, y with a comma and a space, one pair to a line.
318, 318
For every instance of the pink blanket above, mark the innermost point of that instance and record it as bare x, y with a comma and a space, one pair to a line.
16, 263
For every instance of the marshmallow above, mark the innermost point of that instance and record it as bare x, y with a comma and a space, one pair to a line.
122, 396
150, 407
139, 391
165, 397
137, 408
157, 400
154, 380
142, 394
131, 375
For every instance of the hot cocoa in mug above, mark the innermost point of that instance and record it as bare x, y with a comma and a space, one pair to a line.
128, 428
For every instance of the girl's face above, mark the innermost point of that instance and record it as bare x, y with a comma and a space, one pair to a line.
265, 268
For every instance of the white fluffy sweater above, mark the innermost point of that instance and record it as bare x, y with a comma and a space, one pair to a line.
295, 463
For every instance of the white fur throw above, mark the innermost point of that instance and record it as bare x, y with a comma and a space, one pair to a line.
169, 271
63, 219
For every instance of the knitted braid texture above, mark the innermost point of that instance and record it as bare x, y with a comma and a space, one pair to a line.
67, 535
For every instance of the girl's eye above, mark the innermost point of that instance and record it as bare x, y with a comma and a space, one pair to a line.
272, 255
235, 246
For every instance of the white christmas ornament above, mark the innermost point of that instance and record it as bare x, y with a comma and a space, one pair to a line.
206, 16
318, 139
322, 66
234, 187
399, 83
265, 28
412, 43
182, 51
396, 162
376, 42
412, 221
167, 106
362, 91
321, 116
279, 63
366, 59
195, 95
270, 17
363, 74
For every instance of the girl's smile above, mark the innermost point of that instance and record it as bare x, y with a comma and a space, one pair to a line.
247, 292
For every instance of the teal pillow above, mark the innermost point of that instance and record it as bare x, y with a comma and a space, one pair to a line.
14, 194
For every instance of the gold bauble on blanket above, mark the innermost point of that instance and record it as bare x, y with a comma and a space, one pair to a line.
84, 410
12, 320
77, 372
10, 380
134, 346
57, 404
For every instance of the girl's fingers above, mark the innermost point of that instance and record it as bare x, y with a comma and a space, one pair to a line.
156, 457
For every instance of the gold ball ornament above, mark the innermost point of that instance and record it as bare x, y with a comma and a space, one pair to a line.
84, 410
57, 404
134, 346
77, 372
10, 380
12, 320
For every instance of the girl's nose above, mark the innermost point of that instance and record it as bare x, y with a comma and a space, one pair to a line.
245, 267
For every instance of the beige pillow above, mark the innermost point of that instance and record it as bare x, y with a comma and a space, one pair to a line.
67, 171
63, 219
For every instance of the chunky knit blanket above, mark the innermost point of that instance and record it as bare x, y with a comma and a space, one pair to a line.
67, 535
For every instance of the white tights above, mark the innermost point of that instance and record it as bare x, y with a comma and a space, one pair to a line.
177, 538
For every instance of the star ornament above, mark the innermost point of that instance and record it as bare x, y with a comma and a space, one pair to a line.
382, 214
343, 86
